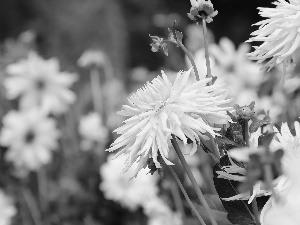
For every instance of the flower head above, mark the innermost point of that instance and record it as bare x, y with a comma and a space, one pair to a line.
280, 33
7, 209
39, 83
117, 186
30, 137
202, 9
92, 58
161, 109
92, 130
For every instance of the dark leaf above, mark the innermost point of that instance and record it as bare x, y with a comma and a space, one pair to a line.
239, 212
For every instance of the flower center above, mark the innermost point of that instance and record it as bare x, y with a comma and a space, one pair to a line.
40, 84
29, 137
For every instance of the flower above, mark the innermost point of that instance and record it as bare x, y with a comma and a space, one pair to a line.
288, 142
161, 109
92, 130
39, 83
92, 57
7, 209
279, 32
30, 137
159, 213
118, 186
202, 8
286, 211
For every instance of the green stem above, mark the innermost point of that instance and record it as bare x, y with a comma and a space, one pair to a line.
96, 91
32, 206
269, 178
190, 56
246, 135
192, 179
177, 199
186, 196
255, 210
206, 49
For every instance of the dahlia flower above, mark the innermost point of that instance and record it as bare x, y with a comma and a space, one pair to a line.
280, 33
118, 187
7, 209
286, 211
92, 130
92, 58
159, 213
39, 83
30, 138
161, 109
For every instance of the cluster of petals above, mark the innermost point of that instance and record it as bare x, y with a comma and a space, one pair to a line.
30, 137
161, 109
280, 34
40, 84
7, 209
284, 140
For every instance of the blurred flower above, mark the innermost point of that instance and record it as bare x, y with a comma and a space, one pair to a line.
279, 33
39, 83
117, 186
7, 209
92, 130
92, 58
286, 211
233, 67
161, 109
288, 142
30, 137
159, 213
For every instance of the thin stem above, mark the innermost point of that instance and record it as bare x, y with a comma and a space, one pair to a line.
96, 91
254, 202
268, 178
177, 199
255, 210
190, 56
206, 49
246, 135
32, 206
282, 80
192, 179
186, 196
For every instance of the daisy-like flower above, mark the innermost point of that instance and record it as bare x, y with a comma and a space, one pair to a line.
39, 83
159, 213
92, 130
161, 109
30, 137
118, 187
280, 33
7, 209
92, 58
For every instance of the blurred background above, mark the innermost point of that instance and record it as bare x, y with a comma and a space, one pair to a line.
106, 44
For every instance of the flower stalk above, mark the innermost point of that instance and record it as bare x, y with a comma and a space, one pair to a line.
206, 49
192, 179
186, 196
96, 90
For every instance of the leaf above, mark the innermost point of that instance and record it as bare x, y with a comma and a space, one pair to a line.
220, 216
239, 212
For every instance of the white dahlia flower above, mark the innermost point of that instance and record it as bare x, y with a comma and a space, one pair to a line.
92, 130
39, 83
161, 109
130, 193
280, 33
7, 209
30, 137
